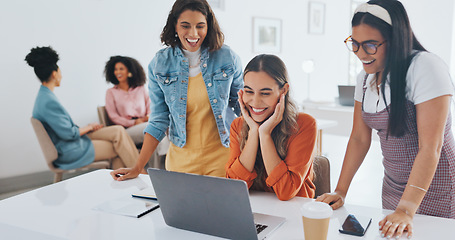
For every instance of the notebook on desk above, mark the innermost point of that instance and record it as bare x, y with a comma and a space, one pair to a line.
210, 205
128, 206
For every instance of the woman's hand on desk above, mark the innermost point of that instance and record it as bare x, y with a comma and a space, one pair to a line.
125, 173
335, 199
394, 224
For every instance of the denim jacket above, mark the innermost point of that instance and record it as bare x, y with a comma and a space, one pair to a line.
168, 89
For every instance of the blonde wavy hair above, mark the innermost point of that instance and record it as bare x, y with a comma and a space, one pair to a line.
275, 68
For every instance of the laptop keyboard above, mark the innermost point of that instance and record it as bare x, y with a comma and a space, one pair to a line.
260, 227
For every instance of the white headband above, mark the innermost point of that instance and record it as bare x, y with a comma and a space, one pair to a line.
376, 11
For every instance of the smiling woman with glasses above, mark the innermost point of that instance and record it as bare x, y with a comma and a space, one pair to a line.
404, 93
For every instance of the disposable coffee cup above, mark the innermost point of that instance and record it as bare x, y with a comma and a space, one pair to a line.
316, 219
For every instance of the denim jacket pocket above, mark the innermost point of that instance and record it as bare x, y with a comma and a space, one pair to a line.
168, 84
223, 78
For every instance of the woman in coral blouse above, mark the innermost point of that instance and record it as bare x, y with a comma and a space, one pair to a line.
271, 145
128, 102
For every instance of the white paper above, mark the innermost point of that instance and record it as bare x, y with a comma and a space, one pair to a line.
127, 206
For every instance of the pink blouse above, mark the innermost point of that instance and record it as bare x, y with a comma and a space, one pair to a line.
122, 106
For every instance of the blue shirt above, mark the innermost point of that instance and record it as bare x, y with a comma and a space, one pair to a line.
168, 89
74, 151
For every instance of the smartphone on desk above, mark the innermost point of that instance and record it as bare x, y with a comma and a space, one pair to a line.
356, 226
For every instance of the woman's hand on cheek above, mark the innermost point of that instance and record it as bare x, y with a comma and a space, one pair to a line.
268, 126
246, 114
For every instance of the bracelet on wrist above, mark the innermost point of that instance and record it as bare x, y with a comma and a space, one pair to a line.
414, 186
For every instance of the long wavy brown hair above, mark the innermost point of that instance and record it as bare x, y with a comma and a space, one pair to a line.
275, 68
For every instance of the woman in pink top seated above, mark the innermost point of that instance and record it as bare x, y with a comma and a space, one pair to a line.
128, 102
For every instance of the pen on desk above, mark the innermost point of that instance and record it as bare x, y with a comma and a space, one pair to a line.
148, 197
151, 209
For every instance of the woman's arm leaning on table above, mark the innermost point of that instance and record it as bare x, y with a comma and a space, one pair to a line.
431, 121
358, 146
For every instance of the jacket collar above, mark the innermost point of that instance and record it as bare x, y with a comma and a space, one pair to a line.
204, 53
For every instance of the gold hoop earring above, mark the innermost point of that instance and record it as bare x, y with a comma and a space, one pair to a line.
130, 75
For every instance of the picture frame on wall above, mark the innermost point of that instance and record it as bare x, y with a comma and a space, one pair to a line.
316, 17
266, 35
216, 4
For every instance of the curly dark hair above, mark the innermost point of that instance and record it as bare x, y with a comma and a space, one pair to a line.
44, 62
134, 67
214, 39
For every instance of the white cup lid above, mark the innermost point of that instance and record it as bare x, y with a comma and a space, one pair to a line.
316, 210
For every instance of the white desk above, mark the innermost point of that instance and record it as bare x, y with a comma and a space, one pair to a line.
64, 211
343, 115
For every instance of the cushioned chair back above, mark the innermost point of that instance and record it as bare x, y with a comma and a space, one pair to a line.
47, 146
50, 152
103, 117
321, 166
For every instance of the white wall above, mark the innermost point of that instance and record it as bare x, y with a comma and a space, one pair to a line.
87, 32
327, 51
433, 25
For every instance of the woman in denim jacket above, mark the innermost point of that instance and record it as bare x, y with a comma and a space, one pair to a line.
193, 90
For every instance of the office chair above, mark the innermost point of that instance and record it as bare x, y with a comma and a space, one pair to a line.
157, 159
50, 152
321, 167
103, 117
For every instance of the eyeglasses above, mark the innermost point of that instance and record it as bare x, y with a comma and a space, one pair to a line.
370, 47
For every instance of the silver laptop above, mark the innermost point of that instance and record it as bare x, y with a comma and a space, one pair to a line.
346, 95
210, 205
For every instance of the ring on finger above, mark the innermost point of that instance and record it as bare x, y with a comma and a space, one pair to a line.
402, 226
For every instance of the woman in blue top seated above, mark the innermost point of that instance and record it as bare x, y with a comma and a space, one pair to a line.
193, 90
76, 147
